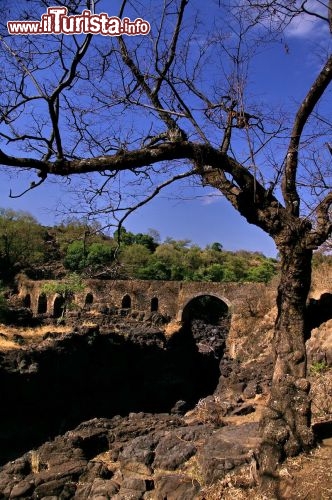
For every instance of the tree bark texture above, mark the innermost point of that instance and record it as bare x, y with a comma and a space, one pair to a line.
286, 422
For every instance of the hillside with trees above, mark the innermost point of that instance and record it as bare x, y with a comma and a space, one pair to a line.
76, 246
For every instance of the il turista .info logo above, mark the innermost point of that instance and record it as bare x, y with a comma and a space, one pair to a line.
56, 21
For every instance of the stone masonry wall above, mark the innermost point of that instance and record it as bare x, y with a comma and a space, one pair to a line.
167, 297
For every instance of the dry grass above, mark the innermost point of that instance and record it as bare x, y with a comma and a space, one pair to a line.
255, 315
34, 461
30, 335
208, 410
238, 485
6, 345
308, 476
172, 328
321, 280
305, 477
193, 470
321, 394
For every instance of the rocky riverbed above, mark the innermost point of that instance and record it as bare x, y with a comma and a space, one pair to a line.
141, 456
136, 410
157, 409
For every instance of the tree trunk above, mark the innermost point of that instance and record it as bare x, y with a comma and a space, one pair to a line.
286, 421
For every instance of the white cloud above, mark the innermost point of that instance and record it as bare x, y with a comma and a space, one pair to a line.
304, 25
309, 24
301, 26
211, 198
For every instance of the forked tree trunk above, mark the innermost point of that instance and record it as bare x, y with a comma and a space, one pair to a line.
286, 422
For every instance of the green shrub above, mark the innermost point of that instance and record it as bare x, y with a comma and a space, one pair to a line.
99, 254
75, 256
318, 367
66, 289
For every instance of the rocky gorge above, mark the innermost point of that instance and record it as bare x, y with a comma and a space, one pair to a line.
126, 408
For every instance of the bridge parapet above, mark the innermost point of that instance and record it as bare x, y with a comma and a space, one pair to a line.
167, 297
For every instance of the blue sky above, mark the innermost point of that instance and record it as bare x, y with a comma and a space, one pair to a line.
282, 76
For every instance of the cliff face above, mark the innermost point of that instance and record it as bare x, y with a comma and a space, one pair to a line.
95, 374
117, 365
160, 405
52, 387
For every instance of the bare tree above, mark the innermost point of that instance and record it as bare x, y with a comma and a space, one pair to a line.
132, 115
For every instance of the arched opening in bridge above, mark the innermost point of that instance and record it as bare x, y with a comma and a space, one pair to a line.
126, 302
207, 308
154, 304
27, 301
89, 299
208, 319
42, 304
58, 306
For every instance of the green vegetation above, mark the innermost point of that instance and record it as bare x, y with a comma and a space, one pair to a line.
79, 256
66, 290
318, 367
22, 241
82, 248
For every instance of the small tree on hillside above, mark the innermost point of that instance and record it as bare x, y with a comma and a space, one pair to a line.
66, 289
21, 241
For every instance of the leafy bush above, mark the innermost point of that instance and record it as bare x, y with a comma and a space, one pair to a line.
22, 241
99, 254
82, 247
154, 271
263, 272
214, 272
75, 256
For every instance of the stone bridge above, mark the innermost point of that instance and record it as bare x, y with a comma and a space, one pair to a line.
166, 297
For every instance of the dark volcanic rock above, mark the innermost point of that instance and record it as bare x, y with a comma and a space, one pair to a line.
91, 373
227, 449
20, 316
176, 487
172, 451
244, 381
140, 456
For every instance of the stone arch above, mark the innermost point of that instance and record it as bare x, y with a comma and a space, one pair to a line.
126, 302
89, 299
27, 301
154, 304
42, 304
188, 300
58, 306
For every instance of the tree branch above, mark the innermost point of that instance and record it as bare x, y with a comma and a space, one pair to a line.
172, 49
245, 193
316, 91
155, 192
69, 75
165, 116
33, 185
323, 227
23, 66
